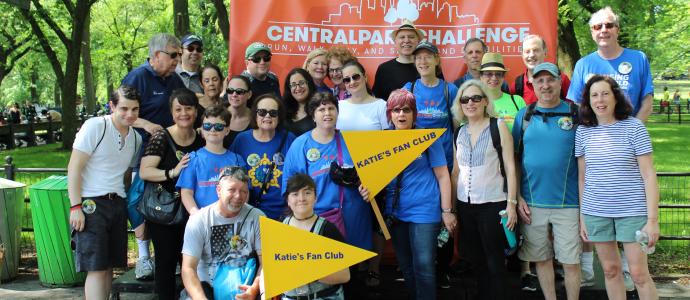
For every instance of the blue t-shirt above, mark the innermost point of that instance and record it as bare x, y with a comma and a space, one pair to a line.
202, 173
549, 167
614, 186
259, 157
433, 111
630, 70
311, 157
420, 196
155, 93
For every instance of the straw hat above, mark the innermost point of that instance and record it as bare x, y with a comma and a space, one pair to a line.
492, 62
407, 25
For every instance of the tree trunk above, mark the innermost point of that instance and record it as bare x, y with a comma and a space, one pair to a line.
223, 19
90, 98
33, 91
56, 94
568, 48
69, 85
181, 13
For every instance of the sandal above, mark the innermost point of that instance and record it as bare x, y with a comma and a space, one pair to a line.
373, 279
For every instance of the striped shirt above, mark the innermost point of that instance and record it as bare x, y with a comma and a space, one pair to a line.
480, 180
613, 182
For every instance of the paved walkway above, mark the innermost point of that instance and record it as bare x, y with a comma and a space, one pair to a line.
28, 287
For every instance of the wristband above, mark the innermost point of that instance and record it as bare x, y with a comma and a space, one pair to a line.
513, 201
167, 174
75, 207
447, 210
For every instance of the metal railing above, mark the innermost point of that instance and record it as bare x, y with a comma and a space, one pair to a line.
674, 206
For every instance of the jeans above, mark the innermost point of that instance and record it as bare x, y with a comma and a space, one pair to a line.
482, 242
415, 249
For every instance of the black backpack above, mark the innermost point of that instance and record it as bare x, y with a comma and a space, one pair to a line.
496, 141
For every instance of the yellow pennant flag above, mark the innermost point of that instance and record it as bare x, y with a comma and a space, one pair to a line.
379, 156
293, 257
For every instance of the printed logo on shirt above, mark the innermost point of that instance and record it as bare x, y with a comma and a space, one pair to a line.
258, 173
158, 93
625, 68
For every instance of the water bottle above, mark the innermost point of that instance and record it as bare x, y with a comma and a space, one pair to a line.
443, 236
642, 238
510, 234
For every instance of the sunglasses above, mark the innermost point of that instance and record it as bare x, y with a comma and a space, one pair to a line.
263, 112
607, 25
475, 99
257, 59
215, 126
232, 171
405, 110
493, 74
192, 48
172, 55
240, 92
355, 77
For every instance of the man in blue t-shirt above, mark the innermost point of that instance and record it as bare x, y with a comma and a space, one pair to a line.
630, 68
548, 198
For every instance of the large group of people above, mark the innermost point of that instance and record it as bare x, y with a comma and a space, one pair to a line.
566, 174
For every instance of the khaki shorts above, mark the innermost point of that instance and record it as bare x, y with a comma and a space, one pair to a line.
564, 223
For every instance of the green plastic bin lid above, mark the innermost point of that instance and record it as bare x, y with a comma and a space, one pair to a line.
54, 182
9, 184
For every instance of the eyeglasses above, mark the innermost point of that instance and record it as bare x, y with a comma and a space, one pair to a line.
405, 110
232, 171
335, 70
599, 26
300, 83
215, 126
493, 74
263, 112
475, 99
240, 92
192, 48
355, 77
172, 55
257, 59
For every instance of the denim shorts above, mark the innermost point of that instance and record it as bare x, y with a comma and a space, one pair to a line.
605, 229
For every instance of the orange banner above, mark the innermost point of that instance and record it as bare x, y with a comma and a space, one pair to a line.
293, 28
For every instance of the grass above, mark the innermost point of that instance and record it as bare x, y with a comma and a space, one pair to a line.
44, 156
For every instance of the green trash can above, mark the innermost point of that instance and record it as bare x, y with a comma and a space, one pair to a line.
11, 213
50, 213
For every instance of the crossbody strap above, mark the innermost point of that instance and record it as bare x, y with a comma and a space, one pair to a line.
171, 143
339, 157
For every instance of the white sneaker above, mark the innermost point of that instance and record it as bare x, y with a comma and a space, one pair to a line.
629, 284
144, 269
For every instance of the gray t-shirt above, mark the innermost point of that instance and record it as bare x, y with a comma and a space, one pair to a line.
214, 239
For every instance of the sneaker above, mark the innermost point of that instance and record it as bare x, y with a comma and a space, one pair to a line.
443, 281
629, 284
144, 269
529, 282
587, 281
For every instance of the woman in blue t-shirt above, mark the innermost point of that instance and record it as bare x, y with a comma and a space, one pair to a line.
322, 154
619, 193
263, 149
417, 200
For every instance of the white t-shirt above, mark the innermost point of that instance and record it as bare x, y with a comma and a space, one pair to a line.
105, 169
209, 237
367, 116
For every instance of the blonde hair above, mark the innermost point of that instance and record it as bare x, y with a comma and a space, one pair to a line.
458, 116
314, 54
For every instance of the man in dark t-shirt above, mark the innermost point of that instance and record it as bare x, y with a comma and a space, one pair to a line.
394, 73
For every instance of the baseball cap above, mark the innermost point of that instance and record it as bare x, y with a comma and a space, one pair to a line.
548, 67
254, 48
190, 39
426, 46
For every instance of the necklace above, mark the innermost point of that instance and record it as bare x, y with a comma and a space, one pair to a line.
307, 218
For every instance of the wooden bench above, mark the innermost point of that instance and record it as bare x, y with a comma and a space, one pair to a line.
48, 130
127, 283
